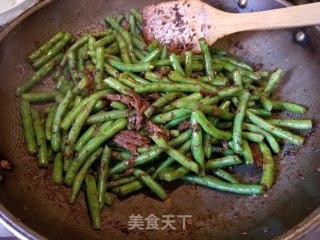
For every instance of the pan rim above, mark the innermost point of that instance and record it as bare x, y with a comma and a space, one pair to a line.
22, 231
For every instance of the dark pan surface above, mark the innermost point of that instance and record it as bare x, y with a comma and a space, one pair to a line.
28, 195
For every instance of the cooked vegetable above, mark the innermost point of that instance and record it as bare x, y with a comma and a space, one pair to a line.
127, 124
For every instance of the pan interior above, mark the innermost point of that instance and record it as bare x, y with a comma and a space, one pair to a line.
30, 197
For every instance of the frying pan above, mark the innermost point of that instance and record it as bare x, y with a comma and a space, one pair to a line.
34, 209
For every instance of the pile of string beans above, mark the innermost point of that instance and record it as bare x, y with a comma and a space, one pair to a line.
127, 115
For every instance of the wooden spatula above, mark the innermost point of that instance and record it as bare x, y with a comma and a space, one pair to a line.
181, 23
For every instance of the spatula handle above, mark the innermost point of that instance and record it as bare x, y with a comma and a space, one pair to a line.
296, 16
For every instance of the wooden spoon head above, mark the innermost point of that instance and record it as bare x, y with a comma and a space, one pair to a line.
180, 24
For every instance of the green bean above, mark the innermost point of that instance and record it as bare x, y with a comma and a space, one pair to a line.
45, 47
218, 51
103, 174
49, 122
152, 184
150, 155
260, 112
90, 66
235, 62
207, 57
273, 81
107, 40
71, 57
59, 114
154, 55
123, 48
161, 102
71, 115
81, 85
211, 182
113, 49
179, 157
289, 123
132, 22
116, 85
155, 77
139, 55
247, 153
230, 68
153, 45
207, 109
185, 148
236, 77
175, 122
227, 92
125, 35
76, 128
164, 53
139, 43
120, 156
39, 96
253, 137
266, 103
43, 160
136, 78
38, 75
268, 166
52, 52
197, 67
121, 181
270, 139
137, 15
224, 125
168, 87
111, 70
188, 63
225, 175
57, 172
120, 18
126, 80
130, 187
79, 43
91, 146
161, 63
263, 73
93, 202
177, 77
100, 105
191, 97
86, 136
216, 82
221, 150
237, 123
105, 116
170, 176
210, 100
223, 162
99, 68
196, 143
209, 127
102, 33
292, 138
207, 146
291, 107
175, 63
135, 67
81, 59
85, 55
168, 116
118, 105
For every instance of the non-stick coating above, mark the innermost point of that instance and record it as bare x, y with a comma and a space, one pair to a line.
30, 197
